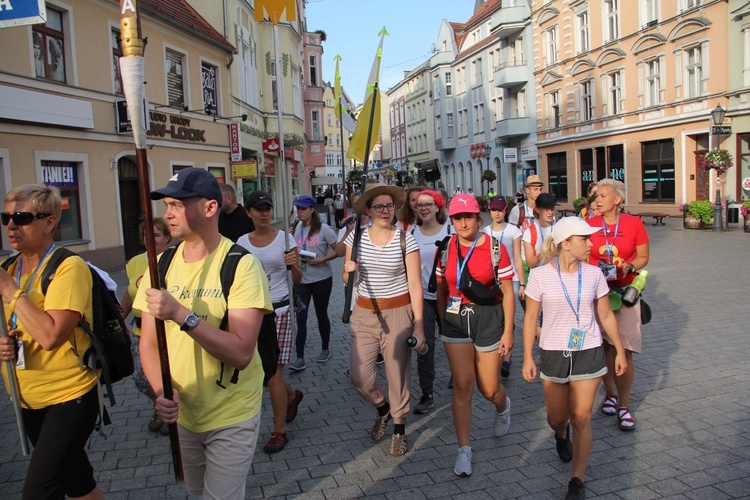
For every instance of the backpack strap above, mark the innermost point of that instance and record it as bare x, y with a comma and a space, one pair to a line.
495, 253
59, 255
442, 248
226, 274
163, 265
402, 238
521, 215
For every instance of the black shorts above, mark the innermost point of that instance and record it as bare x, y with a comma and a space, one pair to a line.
59, 465
482, 325
569, 366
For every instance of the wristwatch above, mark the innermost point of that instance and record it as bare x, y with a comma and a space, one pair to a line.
191, 321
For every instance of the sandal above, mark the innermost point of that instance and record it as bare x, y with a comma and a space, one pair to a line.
625, 419
291, 408
609, 406
277, 442
378, 430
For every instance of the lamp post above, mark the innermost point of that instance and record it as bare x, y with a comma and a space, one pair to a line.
717, 117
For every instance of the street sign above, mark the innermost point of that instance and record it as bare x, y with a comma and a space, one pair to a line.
22, 12
721, 130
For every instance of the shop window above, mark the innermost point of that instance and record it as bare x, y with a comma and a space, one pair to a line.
175, 82
557, 168
658, 177
64, 176
220, 173
49, 47
744, 165
586, 159
209, 75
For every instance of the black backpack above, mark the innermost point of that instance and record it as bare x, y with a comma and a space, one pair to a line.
110, 340
268, 344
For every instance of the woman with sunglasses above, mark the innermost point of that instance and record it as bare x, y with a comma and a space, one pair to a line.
573, 295
59, 402
388, 310
476, 321
432, 227
135, 269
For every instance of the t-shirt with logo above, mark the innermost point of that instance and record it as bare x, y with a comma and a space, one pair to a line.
631, 234
321, 243
271, 258
509, 234
427, 254
204, 406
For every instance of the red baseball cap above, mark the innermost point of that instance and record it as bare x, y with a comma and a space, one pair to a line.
463, 203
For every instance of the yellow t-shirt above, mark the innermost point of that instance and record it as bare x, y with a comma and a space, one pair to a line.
204, 406
53, 377
135, 268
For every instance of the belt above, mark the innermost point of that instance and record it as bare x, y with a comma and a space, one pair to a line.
376, 305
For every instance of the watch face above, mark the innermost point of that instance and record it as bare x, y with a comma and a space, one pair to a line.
190, 322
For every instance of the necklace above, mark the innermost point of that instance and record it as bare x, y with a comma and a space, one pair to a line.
380, 252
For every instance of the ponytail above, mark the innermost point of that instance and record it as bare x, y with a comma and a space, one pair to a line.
549, 249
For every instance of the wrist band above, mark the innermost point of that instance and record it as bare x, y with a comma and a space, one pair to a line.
522, 284
19, 293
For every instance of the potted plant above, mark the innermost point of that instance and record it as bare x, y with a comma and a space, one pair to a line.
745, 211
697, 214
578, 204
716, 159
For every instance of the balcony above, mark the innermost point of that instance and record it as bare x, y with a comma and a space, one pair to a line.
511, 20
511, 73
513, 127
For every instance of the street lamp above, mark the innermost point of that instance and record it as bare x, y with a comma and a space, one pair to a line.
487, 149
717, 117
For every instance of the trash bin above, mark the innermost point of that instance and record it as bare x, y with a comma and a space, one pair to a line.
733, 215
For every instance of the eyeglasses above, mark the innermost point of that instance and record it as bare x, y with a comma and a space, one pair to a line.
427, 206
379, 208
21, 218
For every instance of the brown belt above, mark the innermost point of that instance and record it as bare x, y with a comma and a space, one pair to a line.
376, 305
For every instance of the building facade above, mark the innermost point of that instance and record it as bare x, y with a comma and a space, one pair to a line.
738, 112
63, 119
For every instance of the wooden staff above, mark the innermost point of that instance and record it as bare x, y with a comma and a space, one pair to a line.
10, 368
132, 70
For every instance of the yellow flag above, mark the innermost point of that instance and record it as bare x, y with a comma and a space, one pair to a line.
337, 88
275, 9
370, 112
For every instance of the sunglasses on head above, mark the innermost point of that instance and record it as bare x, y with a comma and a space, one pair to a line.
21, 218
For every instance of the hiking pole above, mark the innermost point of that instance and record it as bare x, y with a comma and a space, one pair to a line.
132, 71
357, 231
10, 368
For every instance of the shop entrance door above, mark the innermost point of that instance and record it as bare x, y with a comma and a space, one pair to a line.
701, 177
130, 206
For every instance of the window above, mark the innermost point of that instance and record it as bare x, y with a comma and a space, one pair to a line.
64, 176
611, 20
274, 89
743, 164
519, 101
649, 12
296, 95
498, 108
550, 46
586, 162
116, 55
516, 53
479, 118
587, 100
657, 159
330, 139
461, 124
558, 175
690, 4
209, 74
338, 139
448, 90
436, 87
248, 72
438, 130
653, 82
313, 71
49, 47
175, 83
693, 72
315, 122
616, 102
554, 117
329, 119
582, 27
477, 65
460, 83
220, 173
449, 124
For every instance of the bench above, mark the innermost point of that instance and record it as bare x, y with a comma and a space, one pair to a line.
564, 212
657, 216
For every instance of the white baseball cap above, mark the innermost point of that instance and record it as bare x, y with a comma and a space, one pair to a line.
571, 226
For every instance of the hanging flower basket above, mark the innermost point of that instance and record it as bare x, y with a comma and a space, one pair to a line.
717, 159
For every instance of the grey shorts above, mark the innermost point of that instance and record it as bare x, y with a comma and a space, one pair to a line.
568, 366
482, 325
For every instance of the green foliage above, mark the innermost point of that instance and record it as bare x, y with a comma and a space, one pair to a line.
745, 209
483, 202
489, 175
702, 209
269, 63
409, 180
323, 36
579, 203
284, 63
354, 177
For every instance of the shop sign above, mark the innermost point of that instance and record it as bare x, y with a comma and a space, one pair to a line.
22, 12
247, 169
271, 146
208, 83
235, 141
59, 174
175, 127
510, 155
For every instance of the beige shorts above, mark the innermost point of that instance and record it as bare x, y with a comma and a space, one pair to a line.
629, 324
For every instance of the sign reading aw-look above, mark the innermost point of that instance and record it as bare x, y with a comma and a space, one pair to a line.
22, 12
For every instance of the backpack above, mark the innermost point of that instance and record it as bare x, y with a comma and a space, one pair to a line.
521, 215
110, 340
443, 254
268, 345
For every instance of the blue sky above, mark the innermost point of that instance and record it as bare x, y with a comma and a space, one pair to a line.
352, 28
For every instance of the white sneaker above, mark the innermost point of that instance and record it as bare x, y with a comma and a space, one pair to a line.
463, 462
502, 421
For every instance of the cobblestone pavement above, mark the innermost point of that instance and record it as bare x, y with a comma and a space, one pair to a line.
691, 399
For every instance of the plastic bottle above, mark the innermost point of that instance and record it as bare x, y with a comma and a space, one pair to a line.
412, 343
633, 291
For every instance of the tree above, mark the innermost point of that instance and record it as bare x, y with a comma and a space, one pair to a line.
354, 178
489, 176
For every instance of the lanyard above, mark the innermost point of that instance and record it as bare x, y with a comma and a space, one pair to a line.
502, 233
541, 232
461, 265
13, 316
577, 310
606, 241
304, 240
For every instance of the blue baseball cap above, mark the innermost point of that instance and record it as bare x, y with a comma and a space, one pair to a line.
188, 183
305, 201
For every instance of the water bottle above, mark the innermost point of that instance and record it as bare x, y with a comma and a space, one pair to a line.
633, 291
412, 343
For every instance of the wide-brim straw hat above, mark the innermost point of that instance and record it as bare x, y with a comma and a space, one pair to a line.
374, 190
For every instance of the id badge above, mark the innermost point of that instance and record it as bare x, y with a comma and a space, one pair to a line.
20, 357
303, 266
454, 305
609, 270
575, 341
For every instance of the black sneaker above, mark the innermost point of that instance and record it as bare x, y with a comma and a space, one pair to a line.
564, 447
576, 490
380, 359
424, 405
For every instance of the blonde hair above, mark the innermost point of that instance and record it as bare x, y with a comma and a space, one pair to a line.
617, 186
43, 199
549, 249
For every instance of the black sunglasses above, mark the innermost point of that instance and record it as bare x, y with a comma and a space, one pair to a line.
21, 218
